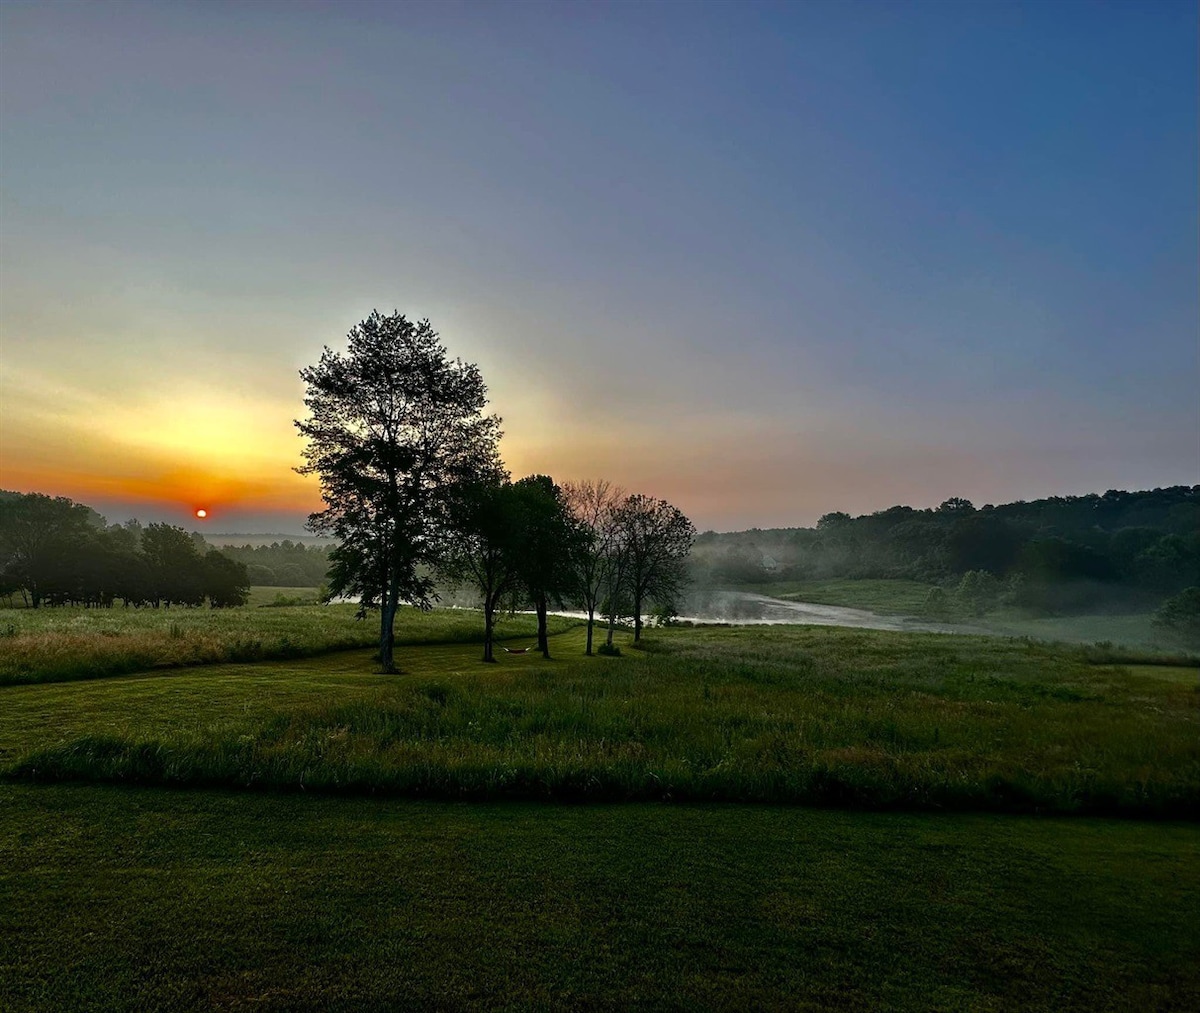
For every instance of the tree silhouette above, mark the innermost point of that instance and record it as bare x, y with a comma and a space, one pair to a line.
485, 545
176, 568
546, 541
394, 425
657, 538
594, 549
38, 537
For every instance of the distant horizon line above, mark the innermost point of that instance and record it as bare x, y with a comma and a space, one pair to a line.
105, 510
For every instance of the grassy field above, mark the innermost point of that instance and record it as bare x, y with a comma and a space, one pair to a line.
122, 899
907, 597
465, 883
264, 596
1134, 630
57, 644
783, 714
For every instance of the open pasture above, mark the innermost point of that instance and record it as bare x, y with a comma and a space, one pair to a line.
786, 714
117, 894
887, 597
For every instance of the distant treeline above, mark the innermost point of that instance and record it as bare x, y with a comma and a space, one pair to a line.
1055, 553
282, 564
57, 552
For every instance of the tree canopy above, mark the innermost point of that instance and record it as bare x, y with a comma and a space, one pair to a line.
595, 551
657, 538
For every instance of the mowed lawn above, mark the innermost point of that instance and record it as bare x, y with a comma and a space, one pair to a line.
149, 899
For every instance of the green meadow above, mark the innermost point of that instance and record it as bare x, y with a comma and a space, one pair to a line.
887, 597
896, 597
777, 817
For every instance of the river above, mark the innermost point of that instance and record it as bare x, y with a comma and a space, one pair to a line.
742, 608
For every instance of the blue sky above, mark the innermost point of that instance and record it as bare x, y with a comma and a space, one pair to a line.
764, 260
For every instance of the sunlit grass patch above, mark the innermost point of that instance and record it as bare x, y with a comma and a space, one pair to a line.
58, 644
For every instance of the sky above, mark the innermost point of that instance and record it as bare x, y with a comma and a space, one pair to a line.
765, 261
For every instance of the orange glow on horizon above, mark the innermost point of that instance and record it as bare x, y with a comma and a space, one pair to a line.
142, 482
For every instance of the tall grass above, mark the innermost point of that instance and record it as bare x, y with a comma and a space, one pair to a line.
61, 644
819, 716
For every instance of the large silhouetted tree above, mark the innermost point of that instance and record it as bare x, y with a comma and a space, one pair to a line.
226, 581
39, 536
394, 425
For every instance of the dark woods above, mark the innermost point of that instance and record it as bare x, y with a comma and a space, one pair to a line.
282, 564
56, 552
1061, 554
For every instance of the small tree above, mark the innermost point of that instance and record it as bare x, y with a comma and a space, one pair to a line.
394, 425
977, 592
1181, 614
485, 546
594, 552
545, 546
937, 604
657, 538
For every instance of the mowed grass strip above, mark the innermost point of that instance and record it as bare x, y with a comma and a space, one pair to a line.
61, 644
143, 899
780, 714
886, 597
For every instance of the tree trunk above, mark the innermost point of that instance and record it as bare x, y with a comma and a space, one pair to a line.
612, 626
637, 616
543, 635
591, 623
489, 612
387, 619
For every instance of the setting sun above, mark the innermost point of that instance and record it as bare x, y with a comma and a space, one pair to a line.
202, 513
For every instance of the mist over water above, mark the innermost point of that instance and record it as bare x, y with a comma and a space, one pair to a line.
744, 608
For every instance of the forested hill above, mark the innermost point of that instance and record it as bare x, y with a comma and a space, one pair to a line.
1148, 540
